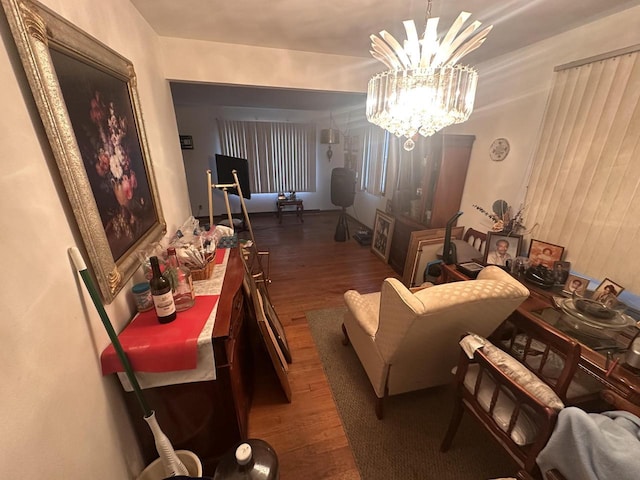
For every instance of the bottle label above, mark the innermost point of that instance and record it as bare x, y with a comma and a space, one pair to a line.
164, 304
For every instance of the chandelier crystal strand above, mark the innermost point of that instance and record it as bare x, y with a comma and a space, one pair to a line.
423, 93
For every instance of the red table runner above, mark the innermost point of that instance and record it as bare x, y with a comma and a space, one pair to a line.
154, 347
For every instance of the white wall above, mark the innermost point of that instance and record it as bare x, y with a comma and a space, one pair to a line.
212, 62
221, 63
61, 418
199, 121
510, 102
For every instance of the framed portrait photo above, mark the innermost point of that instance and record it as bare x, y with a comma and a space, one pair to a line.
607, 291
382, 234
500, 248
87, 99
575, 284
543, 253
561, 272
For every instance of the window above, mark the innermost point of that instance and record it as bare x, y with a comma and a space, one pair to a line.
584, 191
375, 160
281, 156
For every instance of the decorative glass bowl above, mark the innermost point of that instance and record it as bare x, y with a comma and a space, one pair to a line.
585, 303
591, 317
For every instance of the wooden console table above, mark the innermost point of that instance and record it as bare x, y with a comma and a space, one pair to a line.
287, 202
540, 308
210, 417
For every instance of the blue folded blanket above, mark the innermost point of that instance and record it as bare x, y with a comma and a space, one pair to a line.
594, 446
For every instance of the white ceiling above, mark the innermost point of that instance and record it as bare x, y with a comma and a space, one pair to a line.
343, 26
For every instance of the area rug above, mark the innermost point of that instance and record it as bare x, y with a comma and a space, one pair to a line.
406, 443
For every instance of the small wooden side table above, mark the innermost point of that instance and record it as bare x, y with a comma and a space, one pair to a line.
281, 203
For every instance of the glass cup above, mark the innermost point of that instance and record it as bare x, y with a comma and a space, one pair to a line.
519, 266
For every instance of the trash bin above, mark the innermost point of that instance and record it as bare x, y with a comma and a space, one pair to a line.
155, 470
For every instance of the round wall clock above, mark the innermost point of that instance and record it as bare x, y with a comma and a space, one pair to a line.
499, 149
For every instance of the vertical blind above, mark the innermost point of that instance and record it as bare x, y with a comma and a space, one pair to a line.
584, 191
281, 156
375, 158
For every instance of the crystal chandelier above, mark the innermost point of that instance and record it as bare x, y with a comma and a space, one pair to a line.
424, 89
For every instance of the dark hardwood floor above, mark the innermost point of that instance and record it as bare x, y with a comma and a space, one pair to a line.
309, 271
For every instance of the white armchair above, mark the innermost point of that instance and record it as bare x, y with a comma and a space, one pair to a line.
409, 341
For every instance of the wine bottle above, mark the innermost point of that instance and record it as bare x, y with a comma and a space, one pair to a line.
181, 281
161, 293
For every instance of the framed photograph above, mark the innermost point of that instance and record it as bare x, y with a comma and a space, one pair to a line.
543, 253
607, 292
258, 311
274, 321
186, 142
500, 248
470, 269
561, 272
87, 99
575, 283
382, 234
424, 246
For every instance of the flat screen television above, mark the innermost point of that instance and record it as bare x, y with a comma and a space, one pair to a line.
225, 165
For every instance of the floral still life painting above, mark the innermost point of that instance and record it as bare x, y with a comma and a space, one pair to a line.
100, 112
87, 97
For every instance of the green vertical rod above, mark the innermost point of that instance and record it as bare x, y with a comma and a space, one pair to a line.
93, 292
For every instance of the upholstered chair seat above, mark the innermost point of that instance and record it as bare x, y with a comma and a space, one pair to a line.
409, 340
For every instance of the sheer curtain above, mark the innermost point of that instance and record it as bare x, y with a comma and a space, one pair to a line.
281, 156
584, 191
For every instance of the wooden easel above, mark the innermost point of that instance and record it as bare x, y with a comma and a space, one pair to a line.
270, 326
261, 275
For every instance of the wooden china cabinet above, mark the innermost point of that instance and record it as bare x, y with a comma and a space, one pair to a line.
431, 180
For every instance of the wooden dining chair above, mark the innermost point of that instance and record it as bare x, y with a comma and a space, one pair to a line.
514, 399
475, 238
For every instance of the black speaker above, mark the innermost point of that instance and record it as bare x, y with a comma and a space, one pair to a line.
343, 187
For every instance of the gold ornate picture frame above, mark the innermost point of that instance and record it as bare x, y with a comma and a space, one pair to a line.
88, 102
